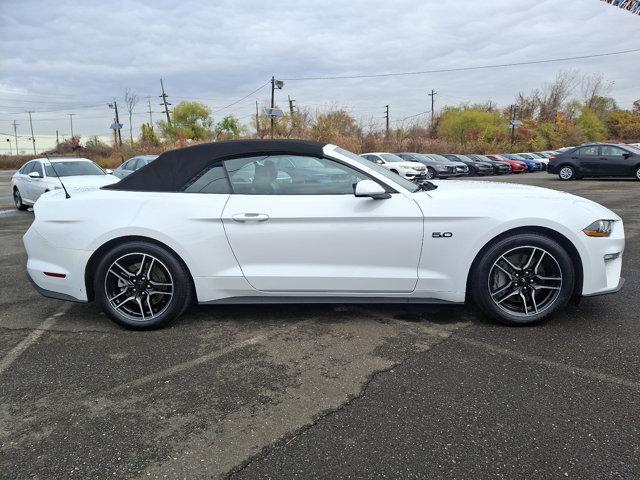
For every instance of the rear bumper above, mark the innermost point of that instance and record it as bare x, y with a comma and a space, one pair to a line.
43, 256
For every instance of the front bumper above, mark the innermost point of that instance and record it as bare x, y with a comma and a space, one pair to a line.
602, 276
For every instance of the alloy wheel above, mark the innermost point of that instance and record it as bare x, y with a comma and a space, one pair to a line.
430, 173
17, 199
566, 173
525, 281
139, 286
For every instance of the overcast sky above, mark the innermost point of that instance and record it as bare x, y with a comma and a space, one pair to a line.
75, 56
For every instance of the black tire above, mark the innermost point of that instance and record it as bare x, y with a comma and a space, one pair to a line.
560, 292
177, 274
567, 172
473, 172
17, 200
430, 174
637, 172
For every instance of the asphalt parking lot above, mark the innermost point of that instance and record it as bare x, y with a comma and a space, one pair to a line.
327, 391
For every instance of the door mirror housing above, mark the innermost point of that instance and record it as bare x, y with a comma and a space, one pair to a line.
35, 175
371, 189
108, 171
626, 154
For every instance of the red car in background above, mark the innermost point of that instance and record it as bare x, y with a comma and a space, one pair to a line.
516, 166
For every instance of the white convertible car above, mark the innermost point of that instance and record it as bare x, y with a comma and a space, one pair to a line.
293, 221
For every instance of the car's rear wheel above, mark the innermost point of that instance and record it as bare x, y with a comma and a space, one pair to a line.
523, 279
142, 286
473, 172
567, 172
430, 174
17, 200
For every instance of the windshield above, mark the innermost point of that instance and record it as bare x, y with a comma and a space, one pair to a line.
390, 157
438, 158
394, 177
72, 169
526, 155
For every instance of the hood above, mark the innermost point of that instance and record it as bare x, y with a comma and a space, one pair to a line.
505, 194
87, 182
413, 165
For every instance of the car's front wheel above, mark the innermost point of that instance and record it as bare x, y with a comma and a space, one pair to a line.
523, 279
567, 172
638, 173
17, 200
142, 286
430, 174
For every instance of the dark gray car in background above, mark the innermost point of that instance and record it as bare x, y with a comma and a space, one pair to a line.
133, 164
476, 167
499, 168
437, 165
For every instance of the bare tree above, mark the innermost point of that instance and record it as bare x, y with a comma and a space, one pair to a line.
554, 95
593, 87
130, 101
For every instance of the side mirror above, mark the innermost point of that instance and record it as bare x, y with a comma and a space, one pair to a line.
35, 175
371, 189
379, 162
108, 170
626, 155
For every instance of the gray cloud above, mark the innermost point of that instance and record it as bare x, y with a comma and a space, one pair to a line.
72, 57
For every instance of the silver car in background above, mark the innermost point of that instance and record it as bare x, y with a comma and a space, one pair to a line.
133, 164
437, 165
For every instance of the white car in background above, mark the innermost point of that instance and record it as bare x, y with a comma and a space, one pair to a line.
39, 176
278, 221
405, 168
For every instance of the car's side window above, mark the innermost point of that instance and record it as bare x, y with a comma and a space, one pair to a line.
212, 179
291, 175
37, 167
588, 151
609, 151
27, 169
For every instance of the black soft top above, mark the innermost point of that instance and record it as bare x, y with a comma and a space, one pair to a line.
174, 169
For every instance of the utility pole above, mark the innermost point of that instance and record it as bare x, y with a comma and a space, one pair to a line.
150, 113
15, 134
71, 118
257, 121
273, 89
166, 104
114, 105
291, 102
513, 125
57, 140
33, 139
432, 95
386, 117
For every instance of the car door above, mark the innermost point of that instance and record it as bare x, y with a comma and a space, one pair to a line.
37, 186
613, 161
587, 160
309, 233
20, 179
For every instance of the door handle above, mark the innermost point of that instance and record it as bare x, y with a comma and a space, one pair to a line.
250, 217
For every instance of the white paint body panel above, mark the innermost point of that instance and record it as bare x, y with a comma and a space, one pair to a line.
316, 246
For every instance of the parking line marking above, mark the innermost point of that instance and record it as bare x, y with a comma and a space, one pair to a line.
185, 365
16, 351
7, 212
585, 372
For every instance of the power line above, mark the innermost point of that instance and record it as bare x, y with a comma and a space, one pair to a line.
462, 69
243, 98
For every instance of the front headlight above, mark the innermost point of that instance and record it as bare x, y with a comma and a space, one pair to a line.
599, 228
